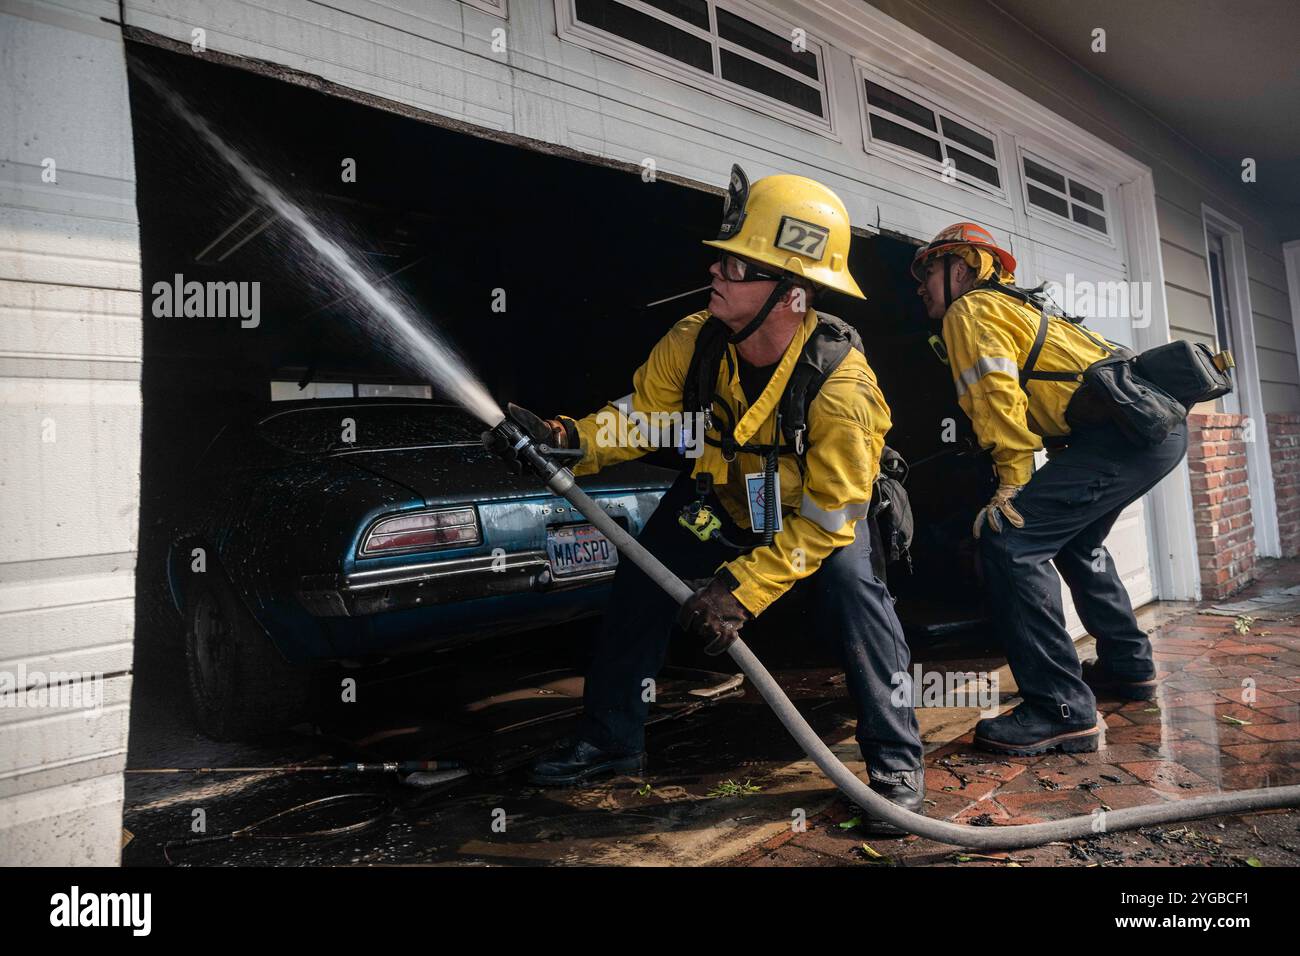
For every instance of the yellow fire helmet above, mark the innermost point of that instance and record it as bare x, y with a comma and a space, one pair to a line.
790, 223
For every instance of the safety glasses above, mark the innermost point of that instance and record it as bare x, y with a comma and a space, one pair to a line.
736, 269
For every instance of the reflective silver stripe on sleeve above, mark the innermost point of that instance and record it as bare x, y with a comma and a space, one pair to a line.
993, 363
832, 520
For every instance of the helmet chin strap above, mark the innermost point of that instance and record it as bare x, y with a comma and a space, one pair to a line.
947, 283
782, 286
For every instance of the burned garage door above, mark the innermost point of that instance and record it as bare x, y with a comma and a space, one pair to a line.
552, 273
552, 276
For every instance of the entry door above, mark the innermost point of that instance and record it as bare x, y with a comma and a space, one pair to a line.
1222, 310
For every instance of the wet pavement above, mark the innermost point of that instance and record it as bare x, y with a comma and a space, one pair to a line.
714, 747
1226, 717
724, 783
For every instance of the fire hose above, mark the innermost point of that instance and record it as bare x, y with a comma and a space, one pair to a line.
543, 462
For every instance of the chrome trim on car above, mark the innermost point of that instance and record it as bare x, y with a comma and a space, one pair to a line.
435, 570
435, 582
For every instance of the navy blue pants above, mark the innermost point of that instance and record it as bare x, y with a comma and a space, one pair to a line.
1069, 507
847, 604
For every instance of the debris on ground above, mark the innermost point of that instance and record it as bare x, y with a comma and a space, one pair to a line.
729, 788
869, 854
1006, 859
1274, 605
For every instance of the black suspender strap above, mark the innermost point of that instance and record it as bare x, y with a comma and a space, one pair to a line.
1031, 360
1027, 373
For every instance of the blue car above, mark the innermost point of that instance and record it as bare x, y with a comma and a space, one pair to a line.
360, 529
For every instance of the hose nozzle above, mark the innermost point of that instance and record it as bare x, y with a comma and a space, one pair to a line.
519, 440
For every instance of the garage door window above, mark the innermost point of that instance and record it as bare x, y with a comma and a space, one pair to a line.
722, 48
897, 120
491, 6
1053, 190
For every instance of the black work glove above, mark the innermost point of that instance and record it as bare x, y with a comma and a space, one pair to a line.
713, 614
545, 431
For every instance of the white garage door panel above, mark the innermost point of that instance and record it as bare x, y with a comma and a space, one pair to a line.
53, 639
1044, 260
1044, 263
74, 488
84, 815
1071, 245
87, 724
1129, 548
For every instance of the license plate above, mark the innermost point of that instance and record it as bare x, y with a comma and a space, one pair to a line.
579, 549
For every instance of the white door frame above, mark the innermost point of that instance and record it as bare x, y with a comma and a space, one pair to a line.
1250, 397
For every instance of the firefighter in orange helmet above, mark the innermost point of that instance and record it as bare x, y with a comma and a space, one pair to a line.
1016, 370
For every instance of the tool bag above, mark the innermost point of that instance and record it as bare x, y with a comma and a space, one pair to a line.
1148, 394
891, 510
1188, 371
1113, 392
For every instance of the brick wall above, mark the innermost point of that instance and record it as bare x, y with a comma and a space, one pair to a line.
1284, 452
1225, 531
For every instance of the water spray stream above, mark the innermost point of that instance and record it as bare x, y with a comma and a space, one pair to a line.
401, 333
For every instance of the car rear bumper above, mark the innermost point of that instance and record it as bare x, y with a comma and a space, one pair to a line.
364, 593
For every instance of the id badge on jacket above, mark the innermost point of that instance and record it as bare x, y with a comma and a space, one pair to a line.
754, 492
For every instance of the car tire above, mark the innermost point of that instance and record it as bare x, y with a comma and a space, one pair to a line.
240, 685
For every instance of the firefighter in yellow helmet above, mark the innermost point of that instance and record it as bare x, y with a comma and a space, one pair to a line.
788, 412
1016, 369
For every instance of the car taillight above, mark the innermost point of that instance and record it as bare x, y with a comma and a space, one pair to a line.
418, 532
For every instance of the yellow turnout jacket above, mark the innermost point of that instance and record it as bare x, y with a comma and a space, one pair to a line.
989, 335
820, 504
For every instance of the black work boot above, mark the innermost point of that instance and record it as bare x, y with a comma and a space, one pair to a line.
582, 762
1026, 731
1104, 683
904, 788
